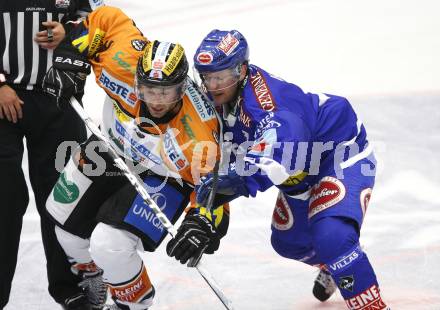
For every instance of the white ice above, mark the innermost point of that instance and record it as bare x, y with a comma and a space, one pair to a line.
383, 55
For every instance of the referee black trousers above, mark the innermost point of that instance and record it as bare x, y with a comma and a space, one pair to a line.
44, 126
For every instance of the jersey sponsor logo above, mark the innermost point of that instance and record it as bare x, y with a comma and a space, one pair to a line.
369, 299
169, 199
262, 92
135, 289
173, 151
62, 4
65, 191
266, 123
138, 147
228, 44
203, 108
160, 200
365, 199
205, 58
346, 283
282, 217
120, 115
122, 63
96, 42
328, 192
138, 45
187, 126
295, 179
117, 87
244, 118
343, 262
144, 212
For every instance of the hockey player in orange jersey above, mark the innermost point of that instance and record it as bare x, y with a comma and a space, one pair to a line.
159, 121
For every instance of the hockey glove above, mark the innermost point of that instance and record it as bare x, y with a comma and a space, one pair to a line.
195, 236
67, 76
230, 184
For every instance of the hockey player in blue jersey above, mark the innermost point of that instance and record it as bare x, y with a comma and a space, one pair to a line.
313, 147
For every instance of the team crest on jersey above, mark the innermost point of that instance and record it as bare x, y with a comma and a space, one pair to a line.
262, 146
62, 4
228, 44
282, 218
365, 200
205, 58
262, 92
328, 192
138, 45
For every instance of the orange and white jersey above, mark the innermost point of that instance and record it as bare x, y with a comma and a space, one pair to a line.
184, 147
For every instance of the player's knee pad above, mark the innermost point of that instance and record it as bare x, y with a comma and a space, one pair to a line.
302, 252
67, 192
291, 236
332, 236
112, 248
76, 248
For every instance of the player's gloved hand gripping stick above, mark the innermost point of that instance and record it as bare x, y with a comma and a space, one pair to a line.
138, 184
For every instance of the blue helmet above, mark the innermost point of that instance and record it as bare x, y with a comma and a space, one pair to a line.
221, 50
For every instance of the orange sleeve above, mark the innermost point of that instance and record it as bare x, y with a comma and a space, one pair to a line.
104, 25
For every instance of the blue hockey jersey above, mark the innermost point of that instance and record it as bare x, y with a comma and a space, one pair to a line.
281, 136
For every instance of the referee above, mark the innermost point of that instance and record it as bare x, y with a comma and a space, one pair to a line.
29, 31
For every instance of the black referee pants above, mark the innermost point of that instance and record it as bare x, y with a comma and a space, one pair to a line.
44, 127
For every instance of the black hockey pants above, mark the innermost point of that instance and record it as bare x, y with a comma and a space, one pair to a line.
44, 126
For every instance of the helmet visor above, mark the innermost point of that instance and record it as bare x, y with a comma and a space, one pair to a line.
150, 93
220, 80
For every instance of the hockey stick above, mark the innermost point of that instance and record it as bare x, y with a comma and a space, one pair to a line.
211, 197
138, 185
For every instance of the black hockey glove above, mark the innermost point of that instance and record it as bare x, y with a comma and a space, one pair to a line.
195, 236
67, 76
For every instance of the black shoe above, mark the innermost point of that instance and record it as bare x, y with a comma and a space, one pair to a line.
77, 302
324, 286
